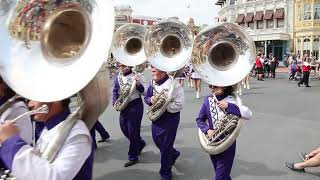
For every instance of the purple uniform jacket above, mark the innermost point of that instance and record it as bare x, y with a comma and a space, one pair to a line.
208, 112
13, 145
116, 89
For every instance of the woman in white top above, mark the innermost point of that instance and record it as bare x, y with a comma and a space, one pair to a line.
197, 81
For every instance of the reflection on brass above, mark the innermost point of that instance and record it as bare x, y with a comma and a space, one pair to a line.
30, 15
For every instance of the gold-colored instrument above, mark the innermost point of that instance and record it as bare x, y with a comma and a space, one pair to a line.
168, 46
223, 55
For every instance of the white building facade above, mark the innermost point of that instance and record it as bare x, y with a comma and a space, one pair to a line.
269, 22
123, 15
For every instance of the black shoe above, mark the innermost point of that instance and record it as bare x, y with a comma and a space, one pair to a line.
291, 167
303, 156
298, 84
130, 163
141, 148
103, 139
308, 86
175, 157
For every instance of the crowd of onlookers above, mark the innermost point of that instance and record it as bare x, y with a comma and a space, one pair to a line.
265, 66
300, 68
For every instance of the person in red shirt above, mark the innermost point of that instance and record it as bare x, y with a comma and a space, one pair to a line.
259, 67
305, 73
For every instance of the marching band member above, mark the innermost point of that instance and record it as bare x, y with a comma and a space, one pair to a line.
197, 81
131, 115
73, 161
102, 131
222, 162
164, 129
14, 111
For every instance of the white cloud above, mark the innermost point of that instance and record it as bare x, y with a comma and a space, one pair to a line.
203, 11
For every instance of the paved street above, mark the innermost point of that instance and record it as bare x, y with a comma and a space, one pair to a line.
285, 121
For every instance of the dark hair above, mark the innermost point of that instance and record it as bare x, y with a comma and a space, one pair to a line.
228, 90
66, 102
9, 92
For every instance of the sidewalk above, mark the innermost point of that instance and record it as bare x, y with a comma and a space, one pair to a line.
282, 69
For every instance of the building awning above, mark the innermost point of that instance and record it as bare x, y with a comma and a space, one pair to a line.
240, 18
258, 16
268, 15
249, 17
136, 21
220, 2
279, 14
271, 36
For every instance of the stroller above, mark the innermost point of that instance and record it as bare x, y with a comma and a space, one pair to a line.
298, 75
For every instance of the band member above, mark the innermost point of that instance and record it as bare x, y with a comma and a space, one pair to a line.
164, 129
210, 111
70, 162
188, 73
197, 81
102, 131
131, 115
181, 78
14, 111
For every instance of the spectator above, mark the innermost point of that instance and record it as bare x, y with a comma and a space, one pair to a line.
259, 67
305, 73
310, 160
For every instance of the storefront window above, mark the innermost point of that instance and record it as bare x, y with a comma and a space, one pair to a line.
307, 11
299, 45
280, 23
306, 44
270, 23
251, 25
317, 11
259, 24
232, 2
242, 25
316, 47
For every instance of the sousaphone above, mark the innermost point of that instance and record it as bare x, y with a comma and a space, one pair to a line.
53, 49
168, 46
128, 49
223, 55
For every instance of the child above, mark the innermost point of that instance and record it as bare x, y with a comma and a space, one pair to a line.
210, 111
293, 70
